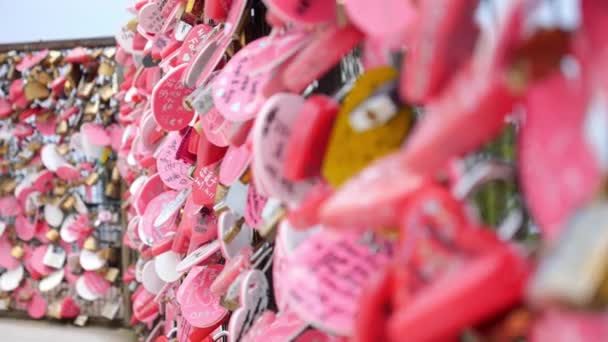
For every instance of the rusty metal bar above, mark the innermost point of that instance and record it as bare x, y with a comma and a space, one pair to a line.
58, 44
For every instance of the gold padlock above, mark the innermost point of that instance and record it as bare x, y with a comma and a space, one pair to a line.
17, 252
350, 150
91, 108
92, 179
105, 69
85, 89
52, 235
112, 274
35, 90
106, 92
54, 310
115, 175
112, 190
68, 203
90, 244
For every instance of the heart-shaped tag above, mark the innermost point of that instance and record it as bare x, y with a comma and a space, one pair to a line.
237, 90
308, 13
200, 307
151, 188
234, 164
254, 297
168, 101
151, 233
198, 256
272, 129
173, 171
204, 185
226, 225
326, 276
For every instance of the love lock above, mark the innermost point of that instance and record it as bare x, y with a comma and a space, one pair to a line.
444, 259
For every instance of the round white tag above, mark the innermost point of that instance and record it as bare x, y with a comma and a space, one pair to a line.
90, 261
51, 281
84, 291
150, 280
10, 280
166, 266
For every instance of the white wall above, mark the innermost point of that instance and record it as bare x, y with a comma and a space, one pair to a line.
34, 20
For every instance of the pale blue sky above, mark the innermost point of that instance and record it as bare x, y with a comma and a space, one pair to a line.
33, 20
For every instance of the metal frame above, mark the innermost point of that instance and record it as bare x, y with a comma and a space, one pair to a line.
58, 44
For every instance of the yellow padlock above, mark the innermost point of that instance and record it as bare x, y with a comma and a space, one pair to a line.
350, 150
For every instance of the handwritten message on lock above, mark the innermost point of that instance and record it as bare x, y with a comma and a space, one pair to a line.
204, 185
272, 130
255, 205
167, 101
150, 18
193, 42
200, 307
326, 277
173, 171
236, 89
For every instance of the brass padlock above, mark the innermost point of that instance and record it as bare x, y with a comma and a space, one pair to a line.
17, 252
68, 203
112, 274
35, 90
112, 190
106, 92
85, 89
90, 244
52, 235
91, 108
105, 69
92, 179
355, 140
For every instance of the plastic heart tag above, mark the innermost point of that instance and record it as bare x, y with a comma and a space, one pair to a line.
234, 164
168, 101
270, 135
173, 171
204, 185
304, 12
255, 297
149, 232
553, 185
216, 128
193, 42
447, 40
151, 188
199, 256
237, 241
388, 19
150, 17
276, 328
31, 60
199, 306
237, 91
326, 277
